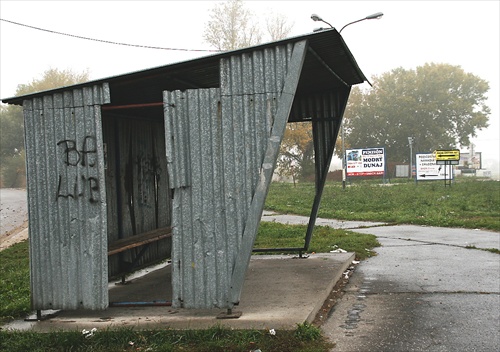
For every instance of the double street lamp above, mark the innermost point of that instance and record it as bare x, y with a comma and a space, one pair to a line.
317, 18
374, 16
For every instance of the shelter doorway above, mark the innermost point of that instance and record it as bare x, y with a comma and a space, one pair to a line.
138, 200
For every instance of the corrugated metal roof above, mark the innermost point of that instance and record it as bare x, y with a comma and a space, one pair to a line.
146, 86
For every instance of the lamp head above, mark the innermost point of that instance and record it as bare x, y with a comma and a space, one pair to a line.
374, 16
315, 17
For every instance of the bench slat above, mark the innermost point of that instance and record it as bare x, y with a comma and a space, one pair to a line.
138, 240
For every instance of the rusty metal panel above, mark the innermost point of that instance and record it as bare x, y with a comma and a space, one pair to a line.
67, 199
217, 141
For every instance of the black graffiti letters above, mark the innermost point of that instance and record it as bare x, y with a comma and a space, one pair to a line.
73, 156
84, 160
87, 186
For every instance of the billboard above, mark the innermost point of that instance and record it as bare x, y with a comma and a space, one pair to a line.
468, 162
365, 162
428, 170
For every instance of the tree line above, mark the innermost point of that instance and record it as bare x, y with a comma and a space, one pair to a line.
440, 105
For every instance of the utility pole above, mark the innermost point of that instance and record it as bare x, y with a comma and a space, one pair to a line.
410, 141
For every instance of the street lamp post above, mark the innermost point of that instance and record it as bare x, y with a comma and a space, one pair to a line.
410, 142
315, 17
343, 155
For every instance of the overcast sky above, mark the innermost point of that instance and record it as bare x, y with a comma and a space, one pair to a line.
410, 34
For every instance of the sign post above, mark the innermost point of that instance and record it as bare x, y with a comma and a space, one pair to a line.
447, 158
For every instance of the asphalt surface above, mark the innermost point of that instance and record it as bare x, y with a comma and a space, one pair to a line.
13, 209
428, 289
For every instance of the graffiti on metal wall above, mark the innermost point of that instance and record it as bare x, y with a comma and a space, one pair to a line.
83, 157
148, 172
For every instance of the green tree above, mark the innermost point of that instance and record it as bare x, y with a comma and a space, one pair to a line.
11, 131
12, 124
52, 78
440, 105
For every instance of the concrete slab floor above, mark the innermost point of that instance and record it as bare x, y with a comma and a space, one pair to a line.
279, 292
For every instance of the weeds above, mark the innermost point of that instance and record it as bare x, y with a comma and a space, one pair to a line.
307, 332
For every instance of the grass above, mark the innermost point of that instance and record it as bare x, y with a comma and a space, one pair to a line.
306, 338
14, 282
324, 239
467, 203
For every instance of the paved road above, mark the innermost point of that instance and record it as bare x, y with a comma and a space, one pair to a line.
13, 209
424, 291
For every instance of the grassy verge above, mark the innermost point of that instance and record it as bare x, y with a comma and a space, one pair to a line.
306, 338
467, 203
14, 282
324, 239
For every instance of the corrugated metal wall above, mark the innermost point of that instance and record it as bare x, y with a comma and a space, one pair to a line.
137, 187
213, 191
216, 141
67, 199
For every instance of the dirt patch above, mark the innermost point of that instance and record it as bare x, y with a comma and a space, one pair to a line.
337, 293
14, 236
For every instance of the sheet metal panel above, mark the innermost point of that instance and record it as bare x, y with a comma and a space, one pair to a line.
200, 264
216, 141
253, 215
67, 199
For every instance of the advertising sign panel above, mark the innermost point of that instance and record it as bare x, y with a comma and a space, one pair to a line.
447, 154
471, 162
428, 170
365, 162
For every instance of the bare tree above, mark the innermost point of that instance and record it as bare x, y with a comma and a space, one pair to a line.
231, 27
277, 26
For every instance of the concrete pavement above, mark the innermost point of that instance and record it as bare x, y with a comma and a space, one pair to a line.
304, 220
466, 238
279, 292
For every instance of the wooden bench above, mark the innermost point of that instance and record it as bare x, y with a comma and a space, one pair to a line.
143, 239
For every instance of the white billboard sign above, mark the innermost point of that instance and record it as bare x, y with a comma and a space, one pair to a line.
427, 170
365, 162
